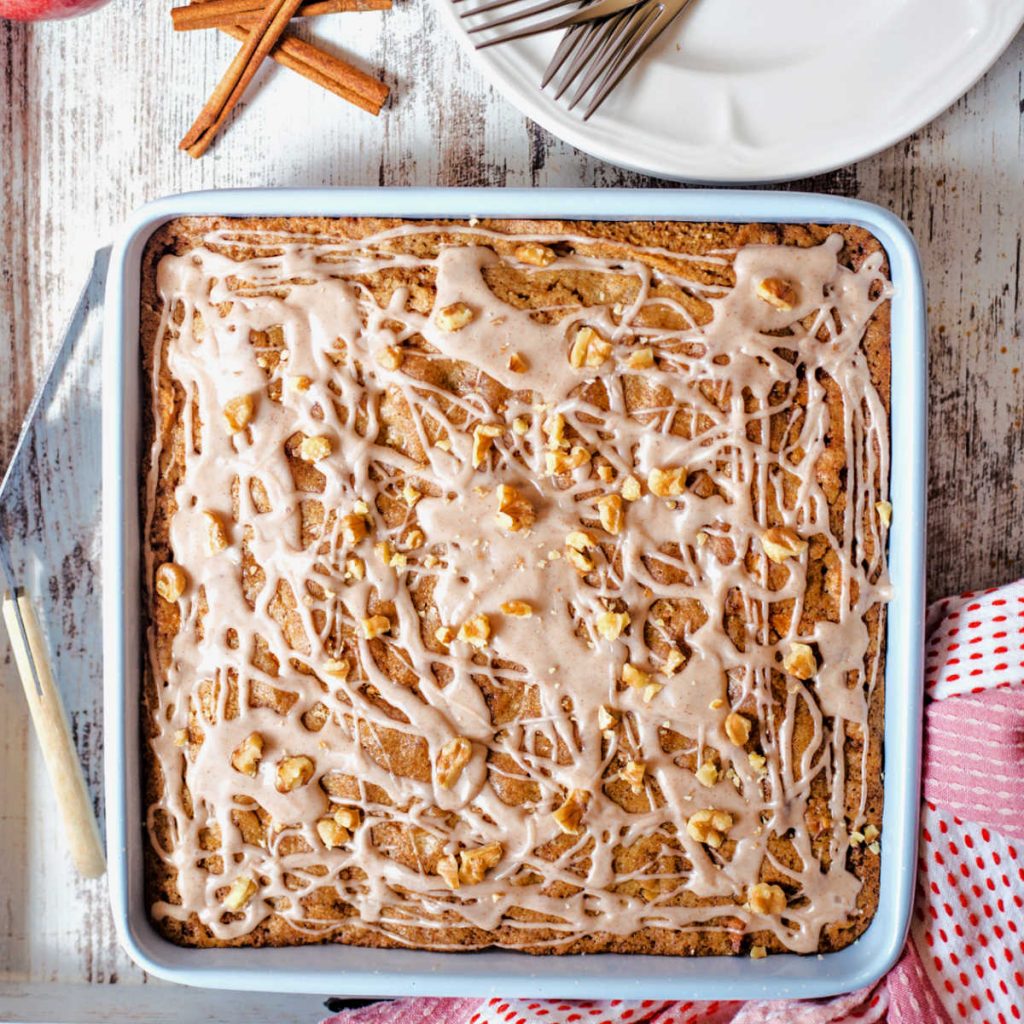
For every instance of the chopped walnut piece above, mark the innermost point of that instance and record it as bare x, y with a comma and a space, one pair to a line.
514, 510
871, 833
651, 690
631, 490
535, 254
517, 609
707, 774
331, 833
454, 317
238, 413
580, 561
414, 539
580, 540
353, 529
410, 495
448, 870
709, 826
884, 510
605, 473
633, 774
375, 625
180, 737
444, 635
313, 449
483, 437
607, 718
569, 817
800, 661
246, 757
294, 772
641, 359
339, 668
476, 631
554, 430
635, 677
610, 625
390, 357
216, 533
609, 510
674, 661
517, 363
588, 349
557, 462
299, 382
520, 426
243, 888
348, 817
170, 581
777, 292
781, 542
737, 728
668, 481
452, 758
757, 761
579, 456
355, 567
474, 864
758, 952
763, 898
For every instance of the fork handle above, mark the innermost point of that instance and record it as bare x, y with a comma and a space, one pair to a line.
51, 724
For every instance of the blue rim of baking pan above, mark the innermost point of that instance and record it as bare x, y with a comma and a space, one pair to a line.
359, 971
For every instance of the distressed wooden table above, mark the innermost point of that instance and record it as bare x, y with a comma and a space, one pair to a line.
90, 113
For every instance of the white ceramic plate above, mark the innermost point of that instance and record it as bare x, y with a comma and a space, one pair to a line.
764, 90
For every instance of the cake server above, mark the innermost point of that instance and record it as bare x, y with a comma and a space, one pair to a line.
28, 644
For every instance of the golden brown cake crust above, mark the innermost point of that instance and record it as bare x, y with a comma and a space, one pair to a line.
163, 420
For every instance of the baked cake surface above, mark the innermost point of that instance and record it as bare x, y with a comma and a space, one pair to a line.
514, 583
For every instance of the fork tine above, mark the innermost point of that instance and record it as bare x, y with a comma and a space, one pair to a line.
520, 15
597, 34
539, 8
580, 15
618, 39
574, 35
629, 55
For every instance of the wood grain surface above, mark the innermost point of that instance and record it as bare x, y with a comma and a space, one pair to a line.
90, 113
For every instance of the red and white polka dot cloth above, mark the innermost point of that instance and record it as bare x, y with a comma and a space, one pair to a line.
965, 960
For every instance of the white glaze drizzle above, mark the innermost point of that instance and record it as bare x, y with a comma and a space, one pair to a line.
308, 287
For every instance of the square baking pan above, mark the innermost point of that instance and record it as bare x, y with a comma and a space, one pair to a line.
358, 971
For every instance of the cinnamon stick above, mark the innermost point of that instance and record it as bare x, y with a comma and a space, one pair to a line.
322, 69
258, 43
227, 13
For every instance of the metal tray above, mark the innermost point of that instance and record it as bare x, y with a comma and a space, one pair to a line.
359, 971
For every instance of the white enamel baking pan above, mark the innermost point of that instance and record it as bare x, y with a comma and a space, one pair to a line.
351, 970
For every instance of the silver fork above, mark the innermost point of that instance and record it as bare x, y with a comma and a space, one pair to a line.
596, 10
604, 52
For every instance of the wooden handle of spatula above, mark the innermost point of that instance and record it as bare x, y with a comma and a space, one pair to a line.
54, 733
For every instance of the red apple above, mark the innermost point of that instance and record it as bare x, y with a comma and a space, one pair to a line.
36, 10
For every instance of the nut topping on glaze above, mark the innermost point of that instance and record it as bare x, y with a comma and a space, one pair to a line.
777, 292
780, 543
